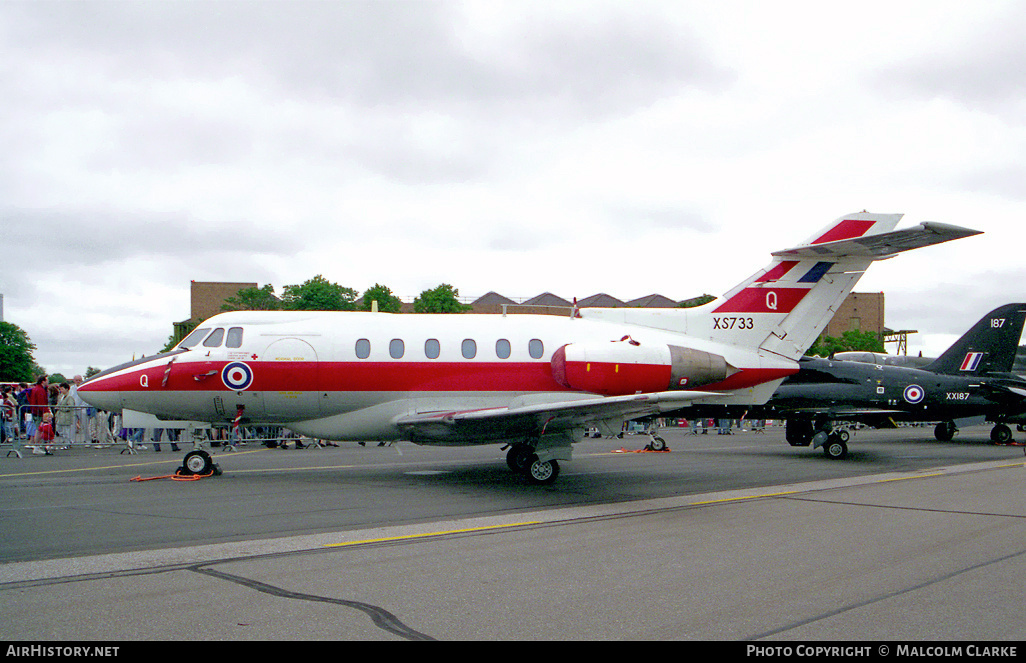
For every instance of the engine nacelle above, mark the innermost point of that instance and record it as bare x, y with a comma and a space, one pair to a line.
628, 367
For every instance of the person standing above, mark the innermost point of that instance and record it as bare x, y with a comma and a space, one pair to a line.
82, 418
38, 403
65, 414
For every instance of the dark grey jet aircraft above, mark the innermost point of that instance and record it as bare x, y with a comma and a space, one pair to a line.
972, 378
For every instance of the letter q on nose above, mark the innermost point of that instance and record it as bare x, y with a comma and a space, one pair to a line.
144, 381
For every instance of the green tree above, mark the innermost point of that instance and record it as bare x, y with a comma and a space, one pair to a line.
16, 362
696, 301
383, 296
319, 294
851, 340
442, 299
253, 299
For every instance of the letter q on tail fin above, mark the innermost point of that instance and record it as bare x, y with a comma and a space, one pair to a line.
783, 308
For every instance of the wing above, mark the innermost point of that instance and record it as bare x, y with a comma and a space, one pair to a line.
500, 423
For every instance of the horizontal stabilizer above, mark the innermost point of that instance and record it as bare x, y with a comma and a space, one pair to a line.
882, 245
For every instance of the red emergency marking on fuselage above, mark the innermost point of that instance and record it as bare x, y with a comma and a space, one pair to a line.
847, 229
776, 273
763, 300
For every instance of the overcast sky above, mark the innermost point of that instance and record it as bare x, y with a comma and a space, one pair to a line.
623, 147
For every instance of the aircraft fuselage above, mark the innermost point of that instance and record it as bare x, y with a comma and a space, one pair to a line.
351, 375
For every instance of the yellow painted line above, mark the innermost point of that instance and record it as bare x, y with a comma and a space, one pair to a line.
918, 476
163, 461
749, 497
430, 534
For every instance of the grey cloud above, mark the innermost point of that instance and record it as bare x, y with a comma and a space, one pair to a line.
93, 237
988, 67
376, 53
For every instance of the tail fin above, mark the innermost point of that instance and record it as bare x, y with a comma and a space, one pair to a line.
783, 308
989, 347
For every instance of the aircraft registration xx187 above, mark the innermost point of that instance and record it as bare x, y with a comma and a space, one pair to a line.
532, 382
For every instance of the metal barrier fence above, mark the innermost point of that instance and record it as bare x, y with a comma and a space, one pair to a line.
94, 428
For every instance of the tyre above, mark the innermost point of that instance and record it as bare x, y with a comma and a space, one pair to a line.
945, 431
542, 472
197, 462
1001, 434
835, 449
519, 457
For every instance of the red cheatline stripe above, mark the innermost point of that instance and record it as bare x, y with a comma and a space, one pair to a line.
392, 377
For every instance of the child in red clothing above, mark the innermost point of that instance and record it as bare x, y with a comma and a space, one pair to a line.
44, 434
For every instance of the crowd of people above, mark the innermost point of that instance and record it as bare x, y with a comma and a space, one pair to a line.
47, 416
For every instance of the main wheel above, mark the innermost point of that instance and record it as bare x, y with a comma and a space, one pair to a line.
542, 472
197, 462
519, 457
1001, 434
835, 448
945, 431
657, 444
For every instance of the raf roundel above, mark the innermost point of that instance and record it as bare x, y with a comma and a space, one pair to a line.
914, 393
237, 376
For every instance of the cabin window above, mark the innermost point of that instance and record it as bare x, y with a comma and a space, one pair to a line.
502, 349
362, 348
214, 340
536, 348
396, 348
234, 338
431, 348
194, 338
469, 348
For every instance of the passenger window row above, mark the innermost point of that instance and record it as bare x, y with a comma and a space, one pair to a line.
433, 349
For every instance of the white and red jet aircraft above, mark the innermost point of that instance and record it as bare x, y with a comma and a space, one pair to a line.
533, 382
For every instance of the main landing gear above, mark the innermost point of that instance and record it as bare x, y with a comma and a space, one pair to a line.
999, 434
522, 459
538, 460
803, 432
945, 431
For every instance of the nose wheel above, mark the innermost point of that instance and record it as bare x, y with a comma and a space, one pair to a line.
198, 461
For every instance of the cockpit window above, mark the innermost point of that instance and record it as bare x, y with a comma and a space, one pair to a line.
234, 338
214, 340
194, 338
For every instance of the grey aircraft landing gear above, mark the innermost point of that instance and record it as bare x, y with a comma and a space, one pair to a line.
537, 459
542, 472
836, 446
519, 456
657, 443
522, 459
